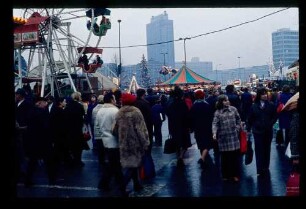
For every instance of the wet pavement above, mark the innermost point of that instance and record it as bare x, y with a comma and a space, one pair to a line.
170, 180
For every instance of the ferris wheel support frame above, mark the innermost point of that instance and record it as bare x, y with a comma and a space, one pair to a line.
64, 61
46, 54
43, 76
19, 67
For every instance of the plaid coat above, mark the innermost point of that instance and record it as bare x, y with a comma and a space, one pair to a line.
226, 125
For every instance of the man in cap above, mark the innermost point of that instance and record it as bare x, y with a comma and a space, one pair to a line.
39, 144
22, 112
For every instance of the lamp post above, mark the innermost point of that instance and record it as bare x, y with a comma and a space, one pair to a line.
164, 53
119, 66
184, 47
239, 66
217, 71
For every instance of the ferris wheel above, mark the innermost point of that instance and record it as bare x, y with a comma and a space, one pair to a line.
52, 52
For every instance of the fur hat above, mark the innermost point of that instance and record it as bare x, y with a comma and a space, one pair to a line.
128, 99
199, 94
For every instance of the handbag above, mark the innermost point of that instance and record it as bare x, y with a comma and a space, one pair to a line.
293, 184
280, 107
243, 142
170, 145
147, 169
86, 134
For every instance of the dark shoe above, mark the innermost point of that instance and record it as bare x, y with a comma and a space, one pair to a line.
104, 187
180, 163
138, 188
28, 183
203, 165
52, 181
81, 164
125, 193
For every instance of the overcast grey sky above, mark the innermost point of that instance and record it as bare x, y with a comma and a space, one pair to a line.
252, 42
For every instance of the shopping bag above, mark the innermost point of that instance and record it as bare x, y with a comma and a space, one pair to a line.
288, 151
170, 146
86, 134
279, 107
147, 169
243, 141
293, 184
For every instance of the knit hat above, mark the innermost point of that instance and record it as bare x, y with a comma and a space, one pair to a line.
128, 99
199, 94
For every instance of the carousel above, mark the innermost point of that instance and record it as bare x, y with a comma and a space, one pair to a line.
188, 80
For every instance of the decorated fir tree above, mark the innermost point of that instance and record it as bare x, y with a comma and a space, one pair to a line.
145, 81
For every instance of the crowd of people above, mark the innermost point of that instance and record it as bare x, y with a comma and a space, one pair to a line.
125, 126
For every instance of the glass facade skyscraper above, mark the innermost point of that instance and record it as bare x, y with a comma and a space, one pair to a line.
160, 29
285, 47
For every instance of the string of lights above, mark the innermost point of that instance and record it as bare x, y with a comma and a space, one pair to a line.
196, 36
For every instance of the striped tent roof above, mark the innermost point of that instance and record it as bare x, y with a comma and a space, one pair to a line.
186, 76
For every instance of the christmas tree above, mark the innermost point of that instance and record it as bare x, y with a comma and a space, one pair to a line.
145, 81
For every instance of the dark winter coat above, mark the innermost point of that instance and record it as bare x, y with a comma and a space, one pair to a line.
284, 117
179, 122
75, 116
201, 115
261, 120
145, 108
39, 142
294, 134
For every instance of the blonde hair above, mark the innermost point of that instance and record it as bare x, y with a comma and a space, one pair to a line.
77, 96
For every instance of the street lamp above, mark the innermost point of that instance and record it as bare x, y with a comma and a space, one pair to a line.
185, 47
164, 57
239, 66
217, 71
119, 66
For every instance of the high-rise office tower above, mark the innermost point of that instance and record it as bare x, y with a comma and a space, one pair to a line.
285, 47
160, 29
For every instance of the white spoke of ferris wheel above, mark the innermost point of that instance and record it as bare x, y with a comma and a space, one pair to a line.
69, 39
64, 61
60, 12
76, 52
19, 67
30, 60
90, 33
69, 46
95, 46
75, 16
89, 84
64, 33
40, 58
45, 61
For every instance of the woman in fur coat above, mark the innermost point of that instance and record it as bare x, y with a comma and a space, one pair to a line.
133, 137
